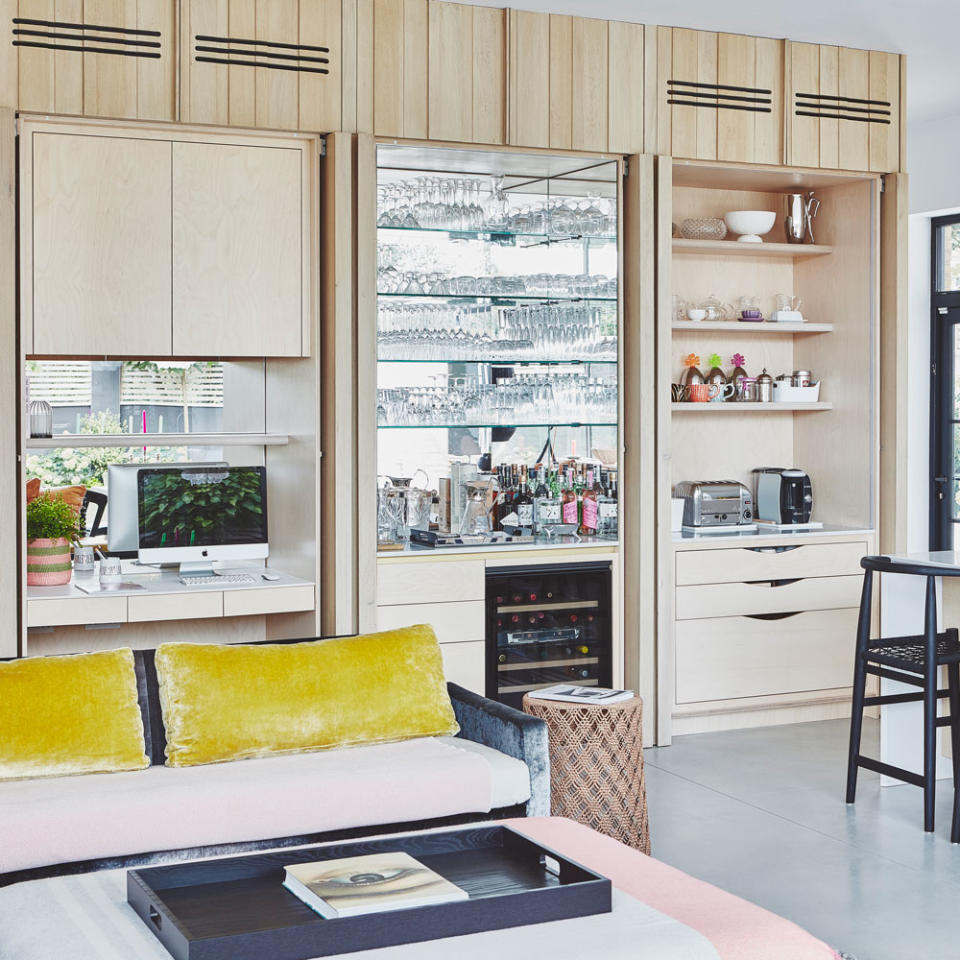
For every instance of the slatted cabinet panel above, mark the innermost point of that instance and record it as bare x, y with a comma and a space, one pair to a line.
105, 58
844, 108
721, 96
400, 68
575, 83
273, 64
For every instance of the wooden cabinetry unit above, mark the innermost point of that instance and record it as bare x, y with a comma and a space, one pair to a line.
105, 58
575, 83
719, 96
274, 64
844, 108
136, 242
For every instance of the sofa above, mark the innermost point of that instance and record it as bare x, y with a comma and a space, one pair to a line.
496, 766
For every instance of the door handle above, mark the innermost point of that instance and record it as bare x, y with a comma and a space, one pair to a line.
772, 616
773, 549
773, 583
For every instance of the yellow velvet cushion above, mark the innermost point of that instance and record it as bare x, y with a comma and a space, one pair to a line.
223, 702
67, 715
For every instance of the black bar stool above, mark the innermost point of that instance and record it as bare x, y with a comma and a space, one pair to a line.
913, 660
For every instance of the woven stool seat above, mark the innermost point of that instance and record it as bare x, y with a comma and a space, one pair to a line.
596, 766
909, 653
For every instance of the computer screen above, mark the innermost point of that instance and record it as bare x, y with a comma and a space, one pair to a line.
196, 510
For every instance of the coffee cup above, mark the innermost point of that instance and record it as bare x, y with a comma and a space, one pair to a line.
678, 392
726, 391
703, 392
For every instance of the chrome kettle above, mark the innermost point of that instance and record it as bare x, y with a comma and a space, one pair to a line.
798, 223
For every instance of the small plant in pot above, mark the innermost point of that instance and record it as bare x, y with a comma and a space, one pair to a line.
52, 525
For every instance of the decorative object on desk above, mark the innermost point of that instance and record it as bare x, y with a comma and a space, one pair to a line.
716, 374
373, 883
52, 524
692, 375
596, 766
703, 228
750, 224
84, 562
798, 222
764, 387
572, 693
111, 570
40, 415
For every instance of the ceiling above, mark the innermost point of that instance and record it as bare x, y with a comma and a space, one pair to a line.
925, 30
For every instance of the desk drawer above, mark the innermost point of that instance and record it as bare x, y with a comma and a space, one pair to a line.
730, 657
767, 596
452, 622
175, 606
413, 581
83, 610
744, 563
289, 599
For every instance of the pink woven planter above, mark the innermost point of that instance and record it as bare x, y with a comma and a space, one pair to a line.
48, 562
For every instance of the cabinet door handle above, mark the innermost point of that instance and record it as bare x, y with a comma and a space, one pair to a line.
773, 583
772, 616
784, 549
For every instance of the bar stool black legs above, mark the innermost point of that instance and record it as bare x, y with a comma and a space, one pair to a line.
913, 660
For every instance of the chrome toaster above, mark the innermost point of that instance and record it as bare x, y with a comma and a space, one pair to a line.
714, 503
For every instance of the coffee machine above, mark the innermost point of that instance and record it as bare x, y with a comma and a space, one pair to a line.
784, 495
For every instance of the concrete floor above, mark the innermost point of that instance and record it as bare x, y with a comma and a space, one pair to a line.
760, 813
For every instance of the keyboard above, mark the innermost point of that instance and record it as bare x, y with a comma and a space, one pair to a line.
218, 579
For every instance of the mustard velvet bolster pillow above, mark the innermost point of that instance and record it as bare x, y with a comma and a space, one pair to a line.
69, 715
223, 702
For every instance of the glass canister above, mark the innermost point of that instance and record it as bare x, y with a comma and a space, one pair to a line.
40, 416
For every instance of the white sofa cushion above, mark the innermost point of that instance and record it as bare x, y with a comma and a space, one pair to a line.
60, 820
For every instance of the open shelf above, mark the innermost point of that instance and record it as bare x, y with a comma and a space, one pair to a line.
741, 407
485, 234
509, 297
742, 327
508, 426
734, 248
507, 361
74, 441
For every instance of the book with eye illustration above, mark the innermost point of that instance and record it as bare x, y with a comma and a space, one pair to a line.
375, 883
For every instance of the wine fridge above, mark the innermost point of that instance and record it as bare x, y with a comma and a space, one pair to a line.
546, 625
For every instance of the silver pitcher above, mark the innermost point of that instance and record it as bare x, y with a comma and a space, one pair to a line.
798, 223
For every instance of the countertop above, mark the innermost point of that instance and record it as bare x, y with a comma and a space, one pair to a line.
766, 536
535, 544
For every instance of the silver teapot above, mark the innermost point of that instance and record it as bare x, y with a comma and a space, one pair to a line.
798, 223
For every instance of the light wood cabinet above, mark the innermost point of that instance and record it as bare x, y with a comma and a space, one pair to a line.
238, 247
844, 108
95, 244
105, 58
575, 83
148, 246
720, 96
275, 64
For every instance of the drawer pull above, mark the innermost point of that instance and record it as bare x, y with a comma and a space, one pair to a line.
772, 616
773, 549
773, 583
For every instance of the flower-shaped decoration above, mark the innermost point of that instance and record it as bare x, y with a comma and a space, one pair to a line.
691, 360
715, 360
738, 360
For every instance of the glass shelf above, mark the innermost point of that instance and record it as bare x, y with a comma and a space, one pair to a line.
510, 362
487, 426
472, 297
492, 235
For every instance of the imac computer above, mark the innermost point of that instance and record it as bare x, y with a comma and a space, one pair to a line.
195, 515
122, 529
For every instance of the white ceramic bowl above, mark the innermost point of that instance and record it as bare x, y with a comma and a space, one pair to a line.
750, 224
695, 313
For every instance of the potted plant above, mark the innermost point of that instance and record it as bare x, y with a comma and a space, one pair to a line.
52, 525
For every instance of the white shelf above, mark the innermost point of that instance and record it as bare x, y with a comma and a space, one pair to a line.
75, 441
744, 327
734, 248
740, 407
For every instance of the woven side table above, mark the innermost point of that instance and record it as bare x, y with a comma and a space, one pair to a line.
596, 766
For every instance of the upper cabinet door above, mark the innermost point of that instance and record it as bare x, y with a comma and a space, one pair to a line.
844, 108
720, 96
95, 250
575, 83
103, 58
240, 276
274, 64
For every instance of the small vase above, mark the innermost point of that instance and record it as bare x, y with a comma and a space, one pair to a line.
48, 562
716, 375
691, 376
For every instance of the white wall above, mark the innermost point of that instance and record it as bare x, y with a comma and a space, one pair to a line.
932, 150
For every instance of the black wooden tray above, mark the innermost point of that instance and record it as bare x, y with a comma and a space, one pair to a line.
236, 908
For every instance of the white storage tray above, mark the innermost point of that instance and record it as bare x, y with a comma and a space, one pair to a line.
784, 392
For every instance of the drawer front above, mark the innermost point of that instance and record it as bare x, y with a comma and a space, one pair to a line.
767, 596
176, 606
743, 563
453, 622
414, 582
463, 664
289, 599
66, 612
730, 657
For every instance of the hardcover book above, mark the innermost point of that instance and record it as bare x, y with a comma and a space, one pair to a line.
569, 693
374, 883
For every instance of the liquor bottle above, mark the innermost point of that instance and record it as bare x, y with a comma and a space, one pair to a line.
523, 502
502, 658
548, 509
568, 499
588, 507
607, 508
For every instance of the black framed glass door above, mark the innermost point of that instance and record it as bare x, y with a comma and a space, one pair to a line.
945, 385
